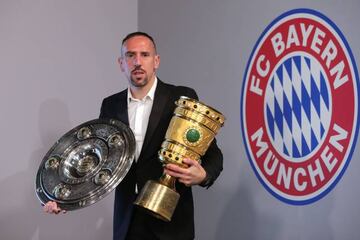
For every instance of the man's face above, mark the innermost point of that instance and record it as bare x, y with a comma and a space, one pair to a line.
139, 61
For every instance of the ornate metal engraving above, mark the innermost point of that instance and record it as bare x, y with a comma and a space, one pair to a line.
86, 164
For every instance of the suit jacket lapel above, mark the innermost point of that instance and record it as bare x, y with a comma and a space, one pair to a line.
160, 101
122, 112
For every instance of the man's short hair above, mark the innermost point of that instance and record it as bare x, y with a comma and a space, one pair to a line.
134, 34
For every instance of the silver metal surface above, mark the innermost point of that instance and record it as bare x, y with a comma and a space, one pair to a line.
86, 164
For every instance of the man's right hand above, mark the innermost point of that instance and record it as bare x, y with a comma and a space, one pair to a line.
52, 208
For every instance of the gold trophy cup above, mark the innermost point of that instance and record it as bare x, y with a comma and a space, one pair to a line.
190, 133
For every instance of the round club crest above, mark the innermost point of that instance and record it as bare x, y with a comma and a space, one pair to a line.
302, 76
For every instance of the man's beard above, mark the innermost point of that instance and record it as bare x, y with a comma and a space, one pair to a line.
141, 83
133, 77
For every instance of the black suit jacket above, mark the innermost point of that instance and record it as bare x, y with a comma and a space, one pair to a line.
149, 167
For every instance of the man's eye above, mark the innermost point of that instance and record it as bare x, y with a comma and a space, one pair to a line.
129, 55
145, 54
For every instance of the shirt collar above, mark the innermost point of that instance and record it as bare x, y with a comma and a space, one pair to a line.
150, 95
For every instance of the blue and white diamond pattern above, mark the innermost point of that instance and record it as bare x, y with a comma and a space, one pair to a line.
297, 106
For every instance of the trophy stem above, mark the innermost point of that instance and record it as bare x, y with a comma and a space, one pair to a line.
168, 181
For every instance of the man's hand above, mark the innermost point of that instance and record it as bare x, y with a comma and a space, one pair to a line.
192, 175
52, 208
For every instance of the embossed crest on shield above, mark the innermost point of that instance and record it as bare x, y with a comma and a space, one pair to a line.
86, 164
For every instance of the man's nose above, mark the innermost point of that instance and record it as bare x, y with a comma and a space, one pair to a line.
137, 60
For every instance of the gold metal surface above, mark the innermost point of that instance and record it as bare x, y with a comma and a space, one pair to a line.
159, 199
189, 135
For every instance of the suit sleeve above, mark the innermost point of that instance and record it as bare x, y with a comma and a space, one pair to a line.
105, 110
102, 109
212, 162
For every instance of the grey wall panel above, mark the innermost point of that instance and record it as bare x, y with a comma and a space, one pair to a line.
58, 60
206, 45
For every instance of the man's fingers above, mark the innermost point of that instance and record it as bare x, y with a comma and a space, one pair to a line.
183, 178
192, 175
176, 169
173, 173
190, 162
52, 207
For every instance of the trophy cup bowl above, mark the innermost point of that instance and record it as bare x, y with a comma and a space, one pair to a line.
190, 133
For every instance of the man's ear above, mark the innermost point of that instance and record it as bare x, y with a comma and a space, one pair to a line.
157, 61
120, 61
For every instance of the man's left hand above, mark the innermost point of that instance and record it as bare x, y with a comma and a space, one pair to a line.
192, 175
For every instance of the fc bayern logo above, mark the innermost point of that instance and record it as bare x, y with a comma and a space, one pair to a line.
299, 106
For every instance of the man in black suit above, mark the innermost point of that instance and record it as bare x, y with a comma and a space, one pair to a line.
147, 107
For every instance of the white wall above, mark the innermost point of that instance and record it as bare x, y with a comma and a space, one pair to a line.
57, 62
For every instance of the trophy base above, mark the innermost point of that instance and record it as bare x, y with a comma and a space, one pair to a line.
158, 199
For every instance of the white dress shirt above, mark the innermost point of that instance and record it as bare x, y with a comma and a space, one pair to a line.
139, 112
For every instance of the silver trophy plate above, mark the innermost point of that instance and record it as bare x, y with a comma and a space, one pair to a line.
86, 164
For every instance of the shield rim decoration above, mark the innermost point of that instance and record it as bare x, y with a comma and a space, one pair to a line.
109, 142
